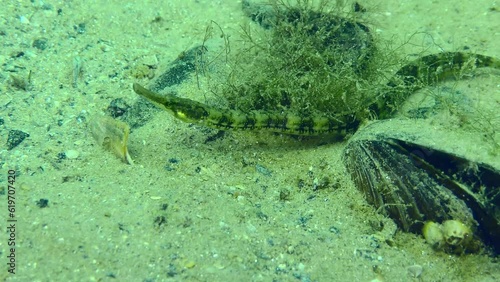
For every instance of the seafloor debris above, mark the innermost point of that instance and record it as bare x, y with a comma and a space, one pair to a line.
112, 135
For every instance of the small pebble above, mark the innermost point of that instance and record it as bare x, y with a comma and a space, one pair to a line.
24, 20
415, 270
42, 203
15, 137
150, 60
72, 154
40, 43
263, 170
80, 28
190, 264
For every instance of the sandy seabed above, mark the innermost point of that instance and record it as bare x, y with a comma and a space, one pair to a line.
239, 208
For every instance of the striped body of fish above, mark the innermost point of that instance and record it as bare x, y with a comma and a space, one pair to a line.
427, 70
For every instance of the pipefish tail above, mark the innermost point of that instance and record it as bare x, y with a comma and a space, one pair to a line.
424, 71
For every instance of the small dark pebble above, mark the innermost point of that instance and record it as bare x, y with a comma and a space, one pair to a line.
304, 219
285, 195
20, 83
81, 118
171, 270
61, 156
80, 28
302, 278
262, 215
220, 134
173, 160
47, 7
15, 137
169, 168
263, 170
113, 75
42, 203
334, 230
117, 107
301, 183
160, 220
122, 227
40, 43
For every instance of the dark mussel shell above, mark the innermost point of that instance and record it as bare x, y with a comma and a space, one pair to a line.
413, 184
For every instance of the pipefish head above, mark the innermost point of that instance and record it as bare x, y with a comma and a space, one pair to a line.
184, 109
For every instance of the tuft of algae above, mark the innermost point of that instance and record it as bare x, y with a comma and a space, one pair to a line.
305, 58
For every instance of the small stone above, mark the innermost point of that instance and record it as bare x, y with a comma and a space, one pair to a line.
190, 264
40, 43
15, 137
61, 156
151, 61
42, 203
80, 28
415, 270
24, 20
72, 154
117, 107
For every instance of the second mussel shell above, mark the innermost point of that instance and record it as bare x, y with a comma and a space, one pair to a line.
408, 177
